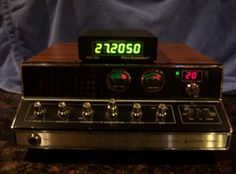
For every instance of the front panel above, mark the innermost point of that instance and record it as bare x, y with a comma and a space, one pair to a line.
172, 103
121, 81
156, 124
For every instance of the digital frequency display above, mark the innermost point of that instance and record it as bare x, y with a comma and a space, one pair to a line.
191, 75
117, 48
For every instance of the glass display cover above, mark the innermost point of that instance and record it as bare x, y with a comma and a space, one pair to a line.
117, 48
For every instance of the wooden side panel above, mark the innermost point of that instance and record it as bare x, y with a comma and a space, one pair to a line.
168, 53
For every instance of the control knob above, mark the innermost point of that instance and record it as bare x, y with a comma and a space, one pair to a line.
112, 112
161, 112
34, 139
87, 111
39, 111
63, 111
136, 113
192, 89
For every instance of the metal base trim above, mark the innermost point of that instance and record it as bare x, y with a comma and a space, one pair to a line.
123, 140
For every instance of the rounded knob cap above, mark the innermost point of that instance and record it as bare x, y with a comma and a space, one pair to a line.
136, 113
87, 111
63, 111
161, 110
39, 111
192, 89
112, 112
34, 139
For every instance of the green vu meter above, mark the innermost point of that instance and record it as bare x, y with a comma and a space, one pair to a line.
117, 46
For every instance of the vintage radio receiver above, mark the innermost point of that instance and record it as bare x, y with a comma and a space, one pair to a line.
172, 103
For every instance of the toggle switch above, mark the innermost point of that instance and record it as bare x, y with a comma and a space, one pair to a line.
205, 112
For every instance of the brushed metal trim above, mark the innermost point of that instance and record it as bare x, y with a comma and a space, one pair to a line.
126, 140
17, 113
118, 100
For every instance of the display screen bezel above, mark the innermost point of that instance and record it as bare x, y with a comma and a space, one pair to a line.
199, 75
115, 51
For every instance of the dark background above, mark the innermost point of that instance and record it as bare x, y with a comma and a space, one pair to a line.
29, 26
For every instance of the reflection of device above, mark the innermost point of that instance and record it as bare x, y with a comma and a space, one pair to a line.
104, 46
173, 103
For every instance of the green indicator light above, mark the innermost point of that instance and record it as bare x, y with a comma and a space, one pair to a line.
177, 73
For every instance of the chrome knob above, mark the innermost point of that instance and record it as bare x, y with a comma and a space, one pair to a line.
39, 111
63, 111
112, 111
192, 89
87, 111
161, 112
136, 113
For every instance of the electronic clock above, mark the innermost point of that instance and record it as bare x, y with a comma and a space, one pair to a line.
117, 46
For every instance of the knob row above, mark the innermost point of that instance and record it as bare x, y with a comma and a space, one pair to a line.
111, 112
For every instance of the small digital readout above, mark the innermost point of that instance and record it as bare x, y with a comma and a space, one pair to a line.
192, 75
118, 46
114, 48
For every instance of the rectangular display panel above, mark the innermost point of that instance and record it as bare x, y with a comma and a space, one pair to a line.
192, 75
117, 48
